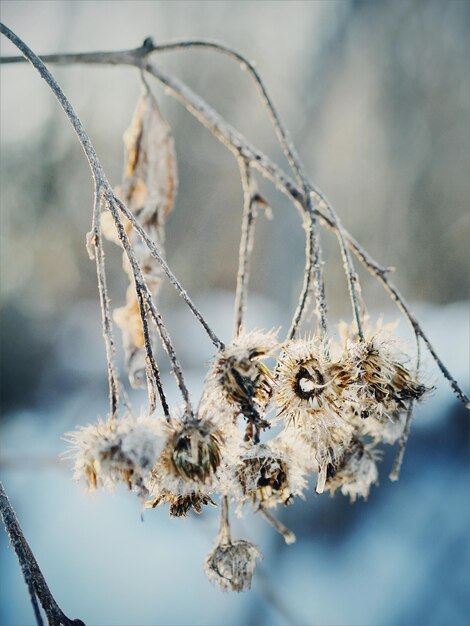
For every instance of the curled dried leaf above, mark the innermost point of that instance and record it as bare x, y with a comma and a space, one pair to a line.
148, 188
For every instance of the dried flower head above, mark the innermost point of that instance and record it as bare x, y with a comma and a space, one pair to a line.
192, 450
308, 380
382, 386
123, 450
232, 564
355, 472
239, 377
309, 394
181, 504
267, 476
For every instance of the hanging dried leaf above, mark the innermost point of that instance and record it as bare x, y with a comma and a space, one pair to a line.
148, 189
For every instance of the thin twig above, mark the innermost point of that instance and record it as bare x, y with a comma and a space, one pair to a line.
287, 535
155, 251
246, 245
95, 249
395, 473
152, 370
224, 533
143, 293
351, 275
30, 568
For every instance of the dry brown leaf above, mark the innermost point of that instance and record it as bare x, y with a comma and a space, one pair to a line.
150, 177
148, 189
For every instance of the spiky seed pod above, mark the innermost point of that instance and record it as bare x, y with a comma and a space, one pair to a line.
192, 451
309, 381
355, 472
180, 505
231, 565
263, 476
117, 451
309, 395
382, 386
239, 378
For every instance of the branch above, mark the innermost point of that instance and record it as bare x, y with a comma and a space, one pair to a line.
239, 146
34, 579
98, 174
246, 244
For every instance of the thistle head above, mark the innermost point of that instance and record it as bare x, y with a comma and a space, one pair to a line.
239, 377
231, 565
355, 472
193, 449
124, 450
263, 476
308, 381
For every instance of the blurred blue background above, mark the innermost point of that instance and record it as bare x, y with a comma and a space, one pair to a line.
377, 98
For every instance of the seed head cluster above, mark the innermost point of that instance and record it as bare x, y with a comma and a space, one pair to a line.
333, 405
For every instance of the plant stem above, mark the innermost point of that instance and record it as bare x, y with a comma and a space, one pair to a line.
246, 245
33, 576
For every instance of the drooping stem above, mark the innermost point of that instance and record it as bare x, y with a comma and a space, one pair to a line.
144, 294
351, 275
312, 269
287, 535
155, 252
95, 249
224, 533
32, 574
153, 372
395, 473
246, 245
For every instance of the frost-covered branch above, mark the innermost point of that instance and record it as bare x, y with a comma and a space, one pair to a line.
37, 586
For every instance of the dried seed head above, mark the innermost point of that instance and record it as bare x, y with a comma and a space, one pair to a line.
232, 565
309, 394
192, 451
355, 472
122, 450
266, 476
240, 379
180, 505
382, 385
308, 381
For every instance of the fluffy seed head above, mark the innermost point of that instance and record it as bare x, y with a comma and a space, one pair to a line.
239, 378
263, 476
382, 385
231, 565
308, 381
355, 472
192, 451
123, 450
